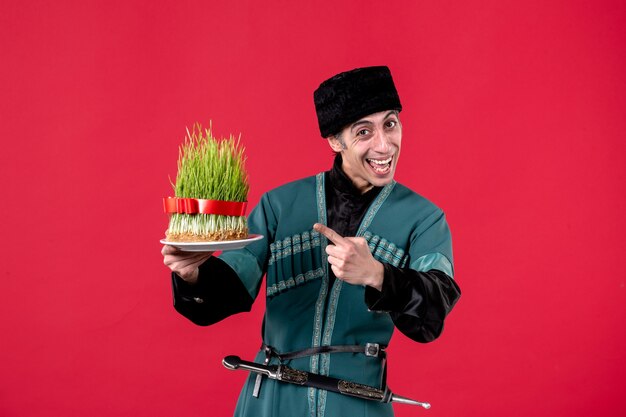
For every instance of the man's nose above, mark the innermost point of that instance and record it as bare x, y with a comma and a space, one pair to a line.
381, 142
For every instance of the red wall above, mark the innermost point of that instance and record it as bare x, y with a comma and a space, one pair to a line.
513, 124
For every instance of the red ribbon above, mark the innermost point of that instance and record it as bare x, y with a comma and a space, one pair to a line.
198, 205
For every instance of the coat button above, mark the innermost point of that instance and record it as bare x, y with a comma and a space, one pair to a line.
198, 300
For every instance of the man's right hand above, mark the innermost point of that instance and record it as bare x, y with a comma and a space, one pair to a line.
184, 264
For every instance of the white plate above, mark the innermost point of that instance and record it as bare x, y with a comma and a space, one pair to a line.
212, 246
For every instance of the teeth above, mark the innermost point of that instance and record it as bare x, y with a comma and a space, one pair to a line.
383, 162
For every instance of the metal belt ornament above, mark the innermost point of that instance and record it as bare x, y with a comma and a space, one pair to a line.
201, 206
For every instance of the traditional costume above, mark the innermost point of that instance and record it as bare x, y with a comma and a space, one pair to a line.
313, 321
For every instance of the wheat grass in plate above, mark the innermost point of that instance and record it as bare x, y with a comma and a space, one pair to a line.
212, 169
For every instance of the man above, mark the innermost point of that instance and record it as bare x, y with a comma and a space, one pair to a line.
348, 255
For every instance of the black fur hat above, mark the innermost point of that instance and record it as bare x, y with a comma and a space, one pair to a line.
346, 97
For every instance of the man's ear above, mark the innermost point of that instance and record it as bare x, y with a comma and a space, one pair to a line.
335, 144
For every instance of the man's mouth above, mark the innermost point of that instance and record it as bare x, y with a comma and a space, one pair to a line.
380, 166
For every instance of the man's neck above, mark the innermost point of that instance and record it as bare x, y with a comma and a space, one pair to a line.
343, 182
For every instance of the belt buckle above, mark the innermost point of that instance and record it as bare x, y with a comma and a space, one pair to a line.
372, 349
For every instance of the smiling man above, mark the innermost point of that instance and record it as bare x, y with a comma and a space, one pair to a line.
371, 159
348, 255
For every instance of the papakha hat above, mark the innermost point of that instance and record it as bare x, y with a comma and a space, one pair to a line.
351, 95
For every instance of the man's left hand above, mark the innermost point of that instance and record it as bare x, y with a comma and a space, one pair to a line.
351, 260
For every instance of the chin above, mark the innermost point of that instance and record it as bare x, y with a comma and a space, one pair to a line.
381, 182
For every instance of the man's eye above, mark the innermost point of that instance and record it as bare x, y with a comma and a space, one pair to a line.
391, 123
362, 132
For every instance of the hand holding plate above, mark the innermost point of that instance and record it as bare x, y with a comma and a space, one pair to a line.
184, 264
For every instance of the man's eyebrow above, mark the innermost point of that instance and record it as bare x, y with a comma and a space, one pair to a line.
360, 123
367, 122
392, 112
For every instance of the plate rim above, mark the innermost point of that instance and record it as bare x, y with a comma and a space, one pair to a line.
251, 238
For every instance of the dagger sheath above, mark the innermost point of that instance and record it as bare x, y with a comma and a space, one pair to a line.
293, 376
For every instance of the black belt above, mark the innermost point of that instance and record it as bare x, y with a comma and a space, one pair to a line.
369, 349
374, 350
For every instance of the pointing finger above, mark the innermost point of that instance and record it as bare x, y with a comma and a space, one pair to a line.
330, 234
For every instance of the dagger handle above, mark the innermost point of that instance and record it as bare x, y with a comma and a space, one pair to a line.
235, 362
231, 362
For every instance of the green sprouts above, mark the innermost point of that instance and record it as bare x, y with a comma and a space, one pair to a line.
196, 227
211, 169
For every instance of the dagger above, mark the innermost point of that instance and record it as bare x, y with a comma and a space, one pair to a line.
294, 376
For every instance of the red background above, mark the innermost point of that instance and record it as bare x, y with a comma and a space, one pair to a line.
513, 124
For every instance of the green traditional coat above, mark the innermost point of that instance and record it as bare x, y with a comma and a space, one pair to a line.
402, 229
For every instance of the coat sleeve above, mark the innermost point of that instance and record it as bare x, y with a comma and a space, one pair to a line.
418, 302
230, 283
218, 294
418, 297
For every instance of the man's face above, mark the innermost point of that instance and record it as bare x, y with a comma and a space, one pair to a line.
370, 148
